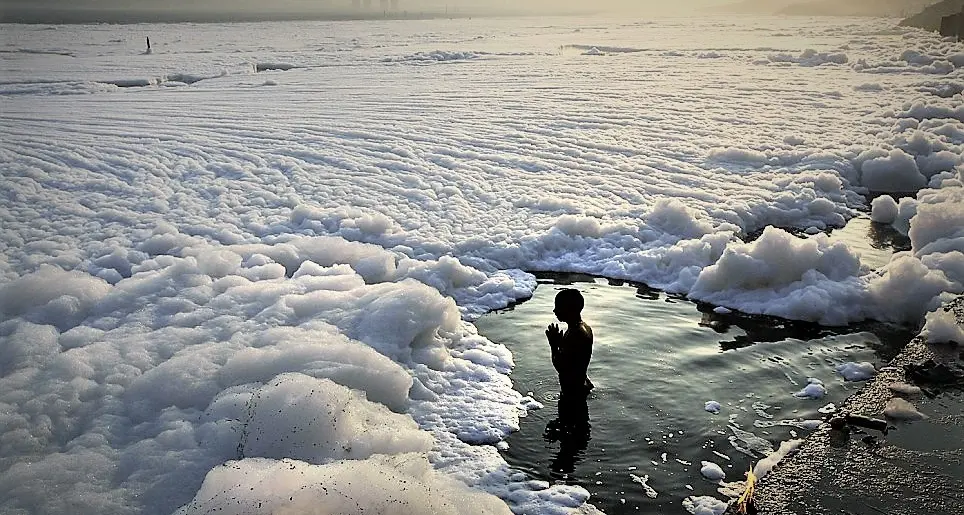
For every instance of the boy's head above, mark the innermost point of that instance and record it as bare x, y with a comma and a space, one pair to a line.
569, 304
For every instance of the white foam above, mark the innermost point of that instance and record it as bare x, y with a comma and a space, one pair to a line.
779, 274
406, 481
644, 483
51, 294
883, 209
815, 389
704, 505
712, 407
171, 254
856, 371
941, 326
893, 171
193, 351
712, 471
764, 466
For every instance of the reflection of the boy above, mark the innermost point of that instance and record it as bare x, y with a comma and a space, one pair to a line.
573, 432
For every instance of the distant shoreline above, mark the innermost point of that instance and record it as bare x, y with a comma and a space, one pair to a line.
117, 17
128, 18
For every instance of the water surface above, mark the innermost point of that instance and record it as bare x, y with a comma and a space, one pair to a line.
657, 359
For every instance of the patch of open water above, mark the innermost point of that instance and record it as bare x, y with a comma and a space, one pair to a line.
657, 359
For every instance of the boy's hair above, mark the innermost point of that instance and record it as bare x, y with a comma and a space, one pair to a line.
571, 297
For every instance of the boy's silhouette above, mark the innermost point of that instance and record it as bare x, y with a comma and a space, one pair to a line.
571, 350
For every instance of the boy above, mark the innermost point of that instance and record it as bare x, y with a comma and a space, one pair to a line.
571, 350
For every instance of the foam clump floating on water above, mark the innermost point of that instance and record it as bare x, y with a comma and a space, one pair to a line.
827, 409
941, 326
922, 289
883, 209
644, 483
906, 211
323, 353
856, 371
712, 407
704, 505
52, 295
712, 471
815, 389
531, 404
817, 281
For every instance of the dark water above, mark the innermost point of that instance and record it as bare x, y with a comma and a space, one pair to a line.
657, 359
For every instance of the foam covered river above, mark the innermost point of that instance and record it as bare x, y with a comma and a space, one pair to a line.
239, 272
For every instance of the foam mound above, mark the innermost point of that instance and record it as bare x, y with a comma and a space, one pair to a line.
404, 483
779, 274
185, 363
941, 326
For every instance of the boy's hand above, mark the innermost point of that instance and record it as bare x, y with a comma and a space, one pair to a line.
553, 334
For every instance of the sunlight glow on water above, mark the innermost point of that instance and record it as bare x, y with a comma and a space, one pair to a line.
875, 242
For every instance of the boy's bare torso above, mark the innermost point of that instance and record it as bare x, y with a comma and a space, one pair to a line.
571, 353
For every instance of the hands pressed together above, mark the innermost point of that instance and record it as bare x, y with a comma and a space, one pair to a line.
553, 334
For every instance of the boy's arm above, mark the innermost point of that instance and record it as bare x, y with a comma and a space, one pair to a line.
556, 357
554, 335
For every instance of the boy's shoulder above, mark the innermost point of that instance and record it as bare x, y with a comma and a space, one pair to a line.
584, 330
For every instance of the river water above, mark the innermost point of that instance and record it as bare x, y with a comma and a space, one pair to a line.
657, 359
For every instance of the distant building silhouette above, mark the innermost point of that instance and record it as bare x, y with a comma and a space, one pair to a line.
953, 25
